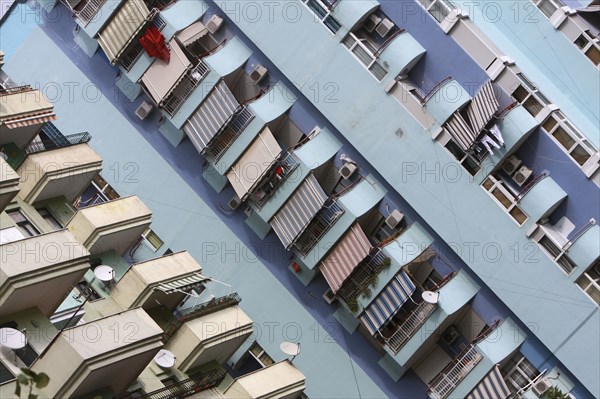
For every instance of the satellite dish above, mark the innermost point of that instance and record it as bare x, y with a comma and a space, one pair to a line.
290, 349
165, 359
430, 296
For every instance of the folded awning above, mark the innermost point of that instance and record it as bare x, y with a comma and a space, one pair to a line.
483, 106
162, 77
192, 33
211, 115
460, 131
36, 118
491, 387
352, 249
388, 302
254, 163
183, 283
298, 211
122, 28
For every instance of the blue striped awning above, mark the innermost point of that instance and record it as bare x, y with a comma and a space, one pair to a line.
388, 302
491, 387
483, 106
298, 211
211, 115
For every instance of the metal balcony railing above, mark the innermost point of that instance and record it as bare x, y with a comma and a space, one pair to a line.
273, 180
184, 88
14, 90
449, 378
317, 228
135, 49
88, 11
410, 326
234, 128
360, 279
185, 388
212, 306
65, 141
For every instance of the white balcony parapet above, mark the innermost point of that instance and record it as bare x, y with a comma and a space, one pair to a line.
408, 328
449, 378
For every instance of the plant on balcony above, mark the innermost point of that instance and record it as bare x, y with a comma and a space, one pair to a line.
555, 393
30, 379
352, 305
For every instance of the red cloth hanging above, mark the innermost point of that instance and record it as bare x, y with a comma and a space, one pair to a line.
153, 42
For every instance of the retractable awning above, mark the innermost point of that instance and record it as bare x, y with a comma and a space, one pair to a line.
254, 163
122, 28
183, 283
298, 211
192, 33
36, 118
460, 131
162, 77
388, 302
483, 106
491, 387
211, 115
347, 254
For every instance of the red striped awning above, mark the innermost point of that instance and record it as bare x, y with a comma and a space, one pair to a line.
346, 255
30, 119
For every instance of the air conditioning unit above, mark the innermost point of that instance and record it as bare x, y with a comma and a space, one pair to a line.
384, 27
541, 386
214, 23
235, 202
144, 110
348, 170
450, 335
511, 165
521, 176
395, 218
258, 73
371, 22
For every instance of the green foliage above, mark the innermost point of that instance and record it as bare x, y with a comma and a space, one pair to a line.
554, 393
353, 305
28, 378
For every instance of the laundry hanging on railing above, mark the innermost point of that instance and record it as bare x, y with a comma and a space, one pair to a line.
153, 42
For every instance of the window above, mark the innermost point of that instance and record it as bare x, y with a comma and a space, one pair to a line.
548, 7
468, 161
529, 96
557, 254
498, 189
589, 46
589, 282
260, 355
55, 224
519, 373
323, 13
365, 54
572, 142
153, 239
5, 374
439, 9
10, 234
24, 225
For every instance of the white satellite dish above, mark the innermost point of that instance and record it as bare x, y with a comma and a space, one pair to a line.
430, 296
165, 359
290, 349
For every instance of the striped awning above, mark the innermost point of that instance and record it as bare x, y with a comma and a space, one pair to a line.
483, 106
122, 28
162, 77
211, 115
36, 118
192, 33
298, 211
491, 387
388, 302
460, 131
182, 284
352, 249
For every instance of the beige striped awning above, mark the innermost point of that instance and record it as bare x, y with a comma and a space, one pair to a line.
491, 387
483, 106
36, 118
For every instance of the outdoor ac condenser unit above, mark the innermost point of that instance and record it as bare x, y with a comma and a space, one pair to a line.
541, 386
235, 202
394, 219
371, 22
214, 23
521, 176
384, 27
258, 73
348, 170
511, 165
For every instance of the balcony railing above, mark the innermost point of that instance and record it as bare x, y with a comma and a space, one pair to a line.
365, 52
318, 227
410, 326
65, 141
272, 181
135, 49
449, 378
88, 11
14, 90
184, 88
360, 280
224, 140
186, 388
212, 306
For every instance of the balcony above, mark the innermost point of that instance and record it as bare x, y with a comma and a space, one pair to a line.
275, 178
112, 225
40, 271
361, 278
163, 280
225, 139
212, 333
317, 228
184, 88
410, 326
9, 184
87, 9
108, 353
51, 171
279, 380
449, 378
186, 388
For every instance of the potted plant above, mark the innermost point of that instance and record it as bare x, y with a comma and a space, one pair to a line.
554, 393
